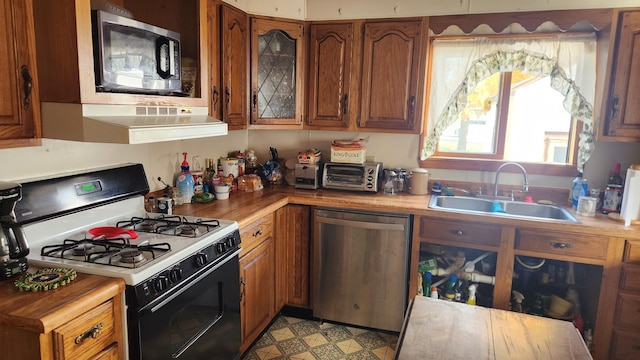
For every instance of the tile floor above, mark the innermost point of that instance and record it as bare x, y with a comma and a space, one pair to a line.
300, 339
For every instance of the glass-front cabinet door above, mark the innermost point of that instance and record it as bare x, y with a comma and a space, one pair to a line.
276, 72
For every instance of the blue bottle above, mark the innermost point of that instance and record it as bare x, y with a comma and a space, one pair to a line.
579, 188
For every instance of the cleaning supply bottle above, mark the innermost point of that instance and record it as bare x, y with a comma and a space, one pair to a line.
450, 293
426, 283
184, 181
434, 292
579, 188
471, 300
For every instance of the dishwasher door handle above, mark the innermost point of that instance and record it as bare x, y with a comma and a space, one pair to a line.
360, 224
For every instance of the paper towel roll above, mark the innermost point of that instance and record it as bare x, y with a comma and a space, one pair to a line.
631, 196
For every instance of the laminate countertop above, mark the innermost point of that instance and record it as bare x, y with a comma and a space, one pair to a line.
247, 207
438, 329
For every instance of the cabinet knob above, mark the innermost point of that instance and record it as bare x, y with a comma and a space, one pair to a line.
457, 232
91, 333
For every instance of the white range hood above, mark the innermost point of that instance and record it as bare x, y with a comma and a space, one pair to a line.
127, 124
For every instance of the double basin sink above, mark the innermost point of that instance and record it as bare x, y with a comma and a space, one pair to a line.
504, 208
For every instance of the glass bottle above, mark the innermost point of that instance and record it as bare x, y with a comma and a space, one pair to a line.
615, 178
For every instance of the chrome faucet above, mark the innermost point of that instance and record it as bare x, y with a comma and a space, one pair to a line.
525, 184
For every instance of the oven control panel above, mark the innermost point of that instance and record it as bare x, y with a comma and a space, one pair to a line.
182, 271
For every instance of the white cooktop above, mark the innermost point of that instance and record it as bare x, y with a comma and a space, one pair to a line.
75, 226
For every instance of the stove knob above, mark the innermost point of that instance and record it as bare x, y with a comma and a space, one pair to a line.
201, 259
231, 242
161, 283
175, 274
221, 247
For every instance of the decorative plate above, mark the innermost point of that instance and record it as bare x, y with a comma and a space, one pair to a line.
45, 279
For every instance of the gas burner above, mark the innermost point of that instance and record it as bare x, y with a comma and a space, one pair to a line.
187, 230
146, 226
83, 249
131, 256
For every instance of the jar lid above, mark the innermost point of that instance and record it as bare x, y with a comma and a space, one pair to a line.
419, 170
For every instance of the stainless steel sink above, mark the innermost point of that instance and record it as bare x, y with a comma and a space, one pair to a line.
512, 209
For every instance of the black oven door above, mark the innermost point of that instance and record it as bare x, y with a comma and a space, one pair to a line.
200, 320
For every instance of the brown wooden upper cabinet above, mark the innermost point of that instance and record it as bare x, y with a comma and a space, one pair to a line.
277, 49
330, 68
230, 66
367, 75
621, 117
19, 103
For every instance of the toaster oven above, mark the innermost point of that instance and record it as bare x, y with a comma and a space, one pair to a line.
355, 177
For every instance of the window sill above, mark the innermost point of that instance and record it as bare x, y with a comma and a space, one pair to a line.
439, 162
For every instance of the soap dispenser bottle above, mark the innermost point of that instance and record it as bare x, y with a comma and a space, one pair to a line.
184, 181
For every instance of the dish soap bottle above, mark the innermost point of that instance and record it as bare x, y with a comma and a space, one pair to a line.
579, 188
184, 181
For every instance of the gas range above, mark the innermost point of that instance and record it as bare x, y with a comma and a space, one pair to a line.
160, 240
182, 273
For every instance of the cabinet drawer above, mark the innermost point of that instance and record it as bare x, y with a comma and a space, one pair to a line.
632, 251
558, 243
469, 233
254, 234
628, 311
625, 345
630, 278
87, 335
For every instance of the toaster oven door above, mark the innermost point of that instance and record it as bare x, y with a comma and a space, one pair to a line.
344, 177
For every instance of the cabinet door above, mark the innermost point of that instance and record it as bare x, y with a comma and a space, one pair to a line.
392, 75
298, 244
276, 72
258, 278
19, 103
622, 117
235, 67
330, 59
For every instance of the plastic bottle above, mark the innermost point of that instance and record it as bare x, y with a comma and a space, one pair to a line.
579, 188
471, 300
450, 293
426, 283
434, 292
184, 181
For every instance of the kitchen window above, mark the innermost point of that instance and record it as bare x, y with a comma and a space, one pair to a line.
519, 98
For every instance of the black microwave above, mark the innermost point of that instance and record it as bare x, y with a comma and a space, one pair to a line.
134, 57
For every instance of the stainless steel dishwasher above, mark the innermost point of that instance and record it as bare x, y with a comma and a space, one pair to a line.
360, 267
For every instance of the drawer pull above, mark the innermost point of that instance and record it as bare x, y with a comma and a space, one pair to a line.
257, 233
457, 232
560, 245
91, 333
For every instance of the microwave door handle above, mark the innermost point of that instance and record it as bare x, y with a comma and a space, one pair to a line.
164, 42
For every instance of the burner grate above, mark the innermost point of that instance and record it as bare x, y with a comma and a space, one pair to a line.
116, 252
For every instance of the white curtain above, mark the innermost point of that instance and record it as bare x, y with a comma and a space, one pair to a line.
459, 65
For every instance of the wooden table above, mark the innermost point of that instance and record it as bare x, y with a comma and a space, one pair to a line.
438, 329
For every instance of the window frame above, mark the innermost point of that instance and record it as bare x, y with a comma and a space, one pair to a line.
484, 162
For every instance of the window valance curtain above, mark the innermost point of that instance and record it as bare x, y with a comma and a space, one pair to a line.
459, 65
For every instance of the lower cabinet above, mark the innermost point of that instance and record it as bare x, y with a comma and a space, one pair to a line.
625, 342
82, 320
257, 274
257, 277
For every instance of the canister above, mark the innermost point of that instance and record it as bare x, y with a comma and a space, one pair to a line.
229, 167
612, 199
